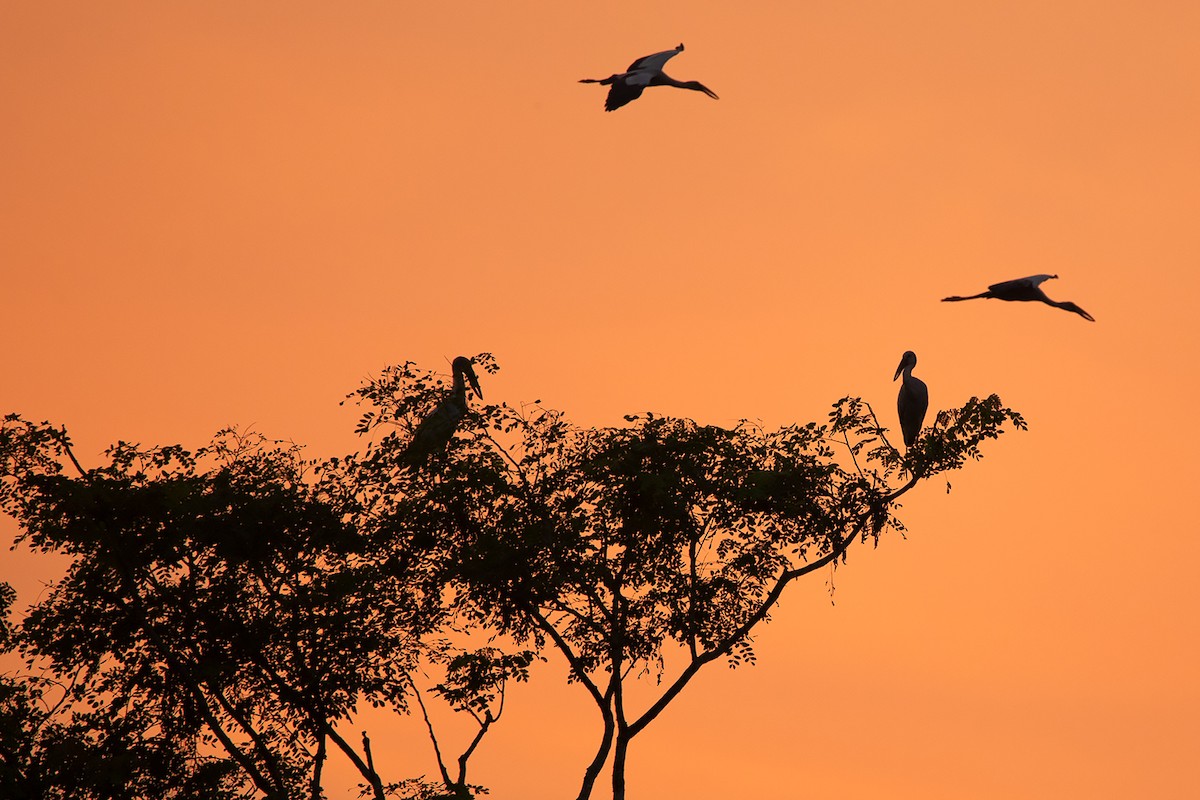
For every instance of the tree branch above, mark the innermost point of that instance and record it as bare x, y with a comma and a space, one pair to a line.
318, 764
66, 446
376, 783
231, 747
488, 719
319, 720
264, 751
785, 577
606, 738
437, 751
572, 659
692, 579
562, 608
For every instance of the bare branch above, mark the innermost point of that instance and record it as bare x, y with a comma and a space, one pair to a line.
786, 577
437, 751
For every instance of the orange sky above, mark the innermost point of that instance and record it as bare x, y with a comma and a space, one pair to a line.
228, 213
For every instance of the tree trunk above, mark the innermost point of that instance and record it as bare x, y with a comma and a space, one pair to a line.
593, 770
318, 763
618, 768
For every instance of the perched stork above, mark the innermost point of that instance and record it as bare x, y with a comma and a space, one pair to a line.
435, 431
913, 400
627, 86
1024, 289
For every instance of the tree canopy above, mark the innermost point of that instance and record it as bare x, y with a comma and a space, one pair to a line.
228, 610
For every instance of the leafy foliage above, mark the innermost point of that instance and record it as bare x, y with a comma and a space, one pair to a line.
618, 545
226, 609
476, 679
58, 741
222, 592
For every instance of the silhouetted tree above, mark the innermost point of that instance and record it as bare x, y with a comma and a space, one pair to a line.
59, 740
229, 608
221, 594
617, 546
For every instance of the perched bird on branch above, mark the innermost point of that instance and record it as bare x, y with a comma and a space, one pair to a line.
913, 400
436, 430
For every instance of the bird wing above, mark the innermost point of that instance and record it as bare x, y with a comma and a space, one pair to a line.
620, 94
1019, 283
654, 62
911, 404
434, 432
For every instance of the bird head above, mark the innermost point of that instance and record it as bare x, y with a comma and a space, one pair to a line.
700, 87
909, 359
1069, 306
462, 366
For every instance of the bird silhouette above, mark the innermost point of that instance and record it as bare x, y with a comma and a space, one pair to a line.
436, 430
1024, 289
627, 86
913, 400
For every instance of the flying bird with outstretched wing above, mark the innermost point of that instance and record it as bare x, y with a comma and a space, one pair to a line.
627, 86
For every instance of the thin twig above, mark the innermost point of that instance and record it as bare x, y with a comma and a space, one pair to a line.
437, 751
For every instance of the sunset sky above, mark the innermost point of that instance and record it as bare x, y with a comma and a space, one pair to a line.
231, 213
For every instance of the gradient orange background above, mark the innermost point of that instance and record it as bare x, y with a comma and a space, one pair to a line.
229, 213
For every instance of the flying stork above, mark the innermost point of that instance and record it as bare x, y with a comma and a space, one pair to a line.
913, 400
1024, 289
436, 430
627, 86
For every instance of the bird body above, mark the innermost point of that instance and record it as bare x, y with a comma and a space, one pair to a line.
1024, 289
627, 86
436, 430
913, 400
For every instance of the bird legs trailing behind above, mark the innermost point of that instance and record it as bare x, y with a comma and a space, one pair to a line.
1024, 289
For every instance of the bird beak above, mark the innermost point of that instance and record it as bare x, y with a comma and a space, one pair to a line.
709, 92
470, 372
899, 369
